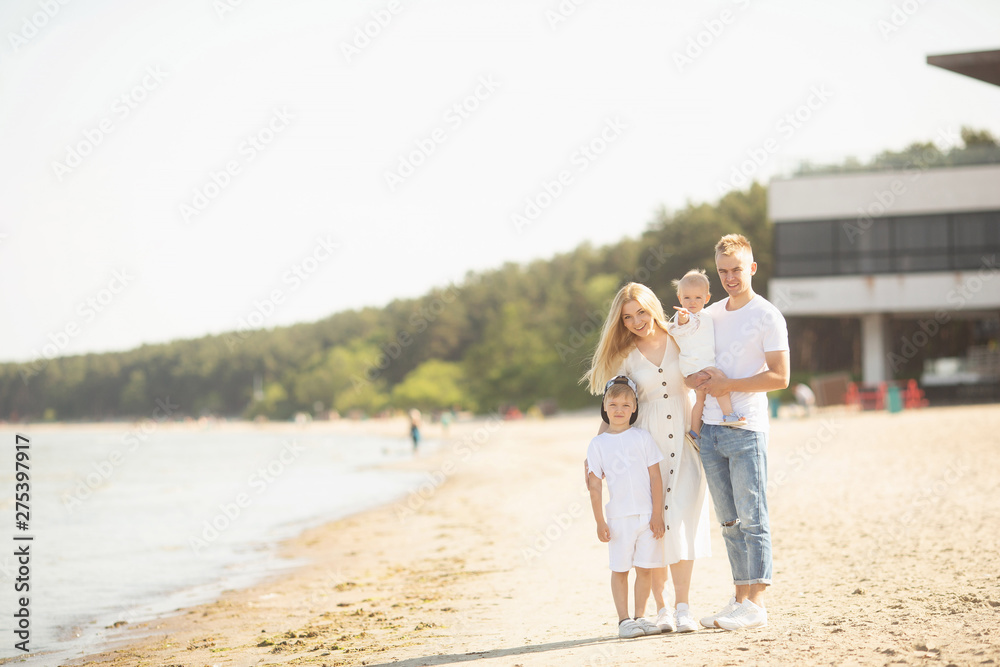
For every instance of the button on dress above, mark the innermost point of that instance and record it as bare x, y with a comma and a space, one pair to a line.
665, 411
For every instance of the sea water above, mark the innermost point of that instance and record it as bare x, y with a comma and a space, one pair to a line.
129, 525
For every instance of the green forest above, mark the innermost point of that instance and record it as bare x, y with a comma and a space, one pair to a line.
518, 335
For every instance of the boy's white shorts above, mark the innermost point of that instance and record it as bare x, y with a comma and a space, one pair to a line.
633, 545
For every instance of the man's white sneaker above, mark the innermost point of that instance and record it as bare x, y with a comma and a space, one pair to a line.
747, 615
665, 621
709, 621
647, 627
629, 629
684, 619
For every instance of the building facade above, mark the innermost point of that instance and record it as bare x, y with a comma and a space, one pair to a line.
915, 249
916, 244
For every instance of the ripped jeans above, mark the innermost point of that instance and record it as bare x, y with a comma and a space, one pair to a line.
735, 462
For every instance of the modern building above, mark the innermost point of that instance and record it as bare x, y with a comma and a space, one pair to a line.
918, 244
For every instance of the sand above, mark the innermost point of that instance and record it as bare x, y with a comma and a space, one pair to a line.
886, 536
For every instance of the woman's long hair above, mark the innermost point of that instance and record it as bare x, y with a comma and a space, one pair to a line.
617, 341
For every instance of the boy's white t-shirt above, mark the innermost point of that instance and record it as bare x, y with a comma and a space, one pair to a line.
741, 338
624, 459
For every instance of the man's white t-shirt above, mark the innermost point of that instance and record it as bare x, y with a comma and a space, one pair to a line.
624, 459
741, 338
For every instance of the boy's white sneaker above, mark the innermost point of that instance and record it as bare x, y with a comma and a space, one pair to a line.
629, 629
665, 621
684, 620
747, 615
709, 621
648, 627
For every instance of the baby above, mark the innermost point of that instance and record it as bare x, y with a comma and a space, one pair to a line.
695, 335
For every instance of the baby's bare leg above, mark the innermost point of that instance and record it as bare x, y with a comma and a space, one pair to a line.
697, 411
724, 402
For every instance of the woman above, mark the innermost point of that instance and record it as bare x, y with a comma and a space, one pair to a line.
635, 342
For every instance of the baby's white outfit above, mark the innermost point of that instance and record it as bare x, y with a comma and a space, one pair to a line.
696, 339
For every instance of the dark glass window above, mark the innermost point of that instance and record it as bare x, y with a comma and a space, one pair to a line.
909, 263
976, 230
929, 232
921, 243
976, 238
864, 235
813, 266
971, 260
864, 265
903, 244
804, 238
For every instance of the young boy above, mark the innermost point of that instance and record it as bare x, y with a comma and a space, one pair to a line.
695, 335
629, 459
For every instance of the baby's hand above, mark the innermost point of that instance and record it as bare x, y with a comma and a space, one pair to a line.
683, 315
604, 533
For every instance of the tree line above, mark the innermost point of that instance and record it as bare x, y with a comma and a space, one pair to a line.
518, 335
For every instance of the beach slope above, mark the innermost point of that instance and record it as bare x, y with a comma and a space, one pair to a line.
886, 551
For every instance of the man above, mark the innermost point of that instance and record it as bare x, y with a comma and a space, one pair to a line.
751, 352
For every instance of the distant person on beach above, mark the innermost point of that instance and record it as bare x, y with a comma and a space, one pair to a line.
695, 334
805, 397
751, 351
415, 427
634, 342
629, 459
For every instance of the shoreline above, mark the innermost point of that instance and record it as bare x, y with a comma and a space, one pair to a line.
883, 553
390, 426
131, 624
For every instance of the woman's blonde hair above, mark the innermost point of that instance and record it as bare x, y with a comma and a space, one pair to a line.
616, 341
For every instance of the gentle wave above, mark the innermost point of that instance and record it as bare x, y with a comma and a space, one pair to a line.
127, 528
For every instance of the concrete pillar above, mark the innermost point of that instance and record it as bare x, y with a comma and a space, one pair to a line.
874, 363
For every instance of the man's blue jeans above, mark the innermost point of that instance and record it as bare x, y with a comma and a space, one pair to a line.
735, 461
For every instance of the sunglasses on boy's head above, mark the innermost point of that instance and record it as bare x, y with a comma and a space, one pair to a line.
621, 379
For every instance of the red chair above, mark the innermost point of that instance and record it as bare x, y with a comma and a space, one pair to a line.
866, 399
852, 397
913, 396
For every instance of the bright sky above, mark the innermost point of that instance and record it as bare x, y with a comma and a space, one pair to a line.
174, 169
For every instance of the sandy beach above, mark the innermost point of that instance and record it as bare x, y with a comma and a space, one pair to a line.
886, 551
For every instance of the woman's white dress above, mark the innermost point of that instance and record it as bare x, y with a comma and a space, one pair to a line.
665, 411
